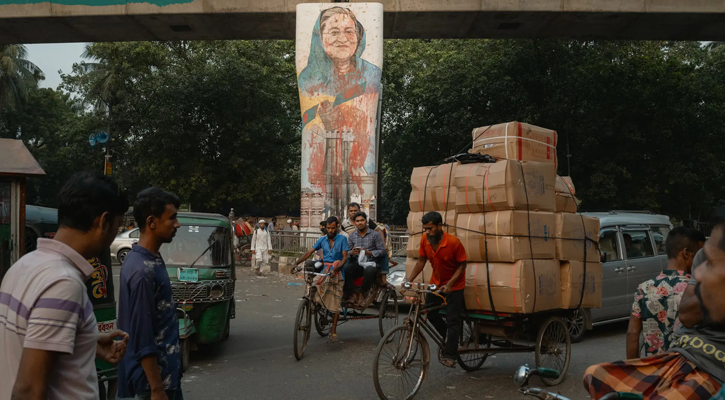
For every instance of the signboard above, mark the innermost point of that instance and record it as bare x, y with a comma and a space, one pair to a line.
339, 59
107, 170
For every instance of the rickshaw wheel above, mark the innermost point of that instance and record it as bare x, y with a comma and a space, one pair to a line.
185, 354
471, 339
388, 314
553, 348
323, 321
302, 328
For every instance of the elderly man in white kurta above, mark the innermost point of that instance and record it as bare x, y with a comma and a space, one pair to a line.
261, 248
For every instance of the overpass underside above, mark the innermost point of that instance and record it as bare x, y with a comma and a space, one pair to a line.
405, 19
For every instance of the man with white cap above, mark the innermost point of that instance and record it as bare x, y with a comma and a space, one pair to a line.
261, 248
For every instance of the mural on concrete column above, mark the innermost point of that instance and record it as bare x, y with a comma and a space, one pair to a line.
339, 56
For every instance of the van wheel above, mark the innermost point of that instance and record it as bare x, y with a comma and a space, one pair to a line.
577, 324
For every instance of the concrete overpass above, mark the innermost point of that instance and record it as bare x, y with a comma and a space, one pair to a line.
35, 21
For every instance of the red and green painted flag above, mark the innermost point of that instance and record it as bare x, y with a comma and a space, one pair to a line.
309, 115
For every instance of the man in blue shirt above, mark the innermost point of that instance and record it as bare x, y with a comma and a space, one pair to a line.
334, 255
151, 368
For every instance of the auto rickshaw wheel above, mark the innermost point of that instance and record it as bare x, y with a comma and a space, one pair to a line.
185, 354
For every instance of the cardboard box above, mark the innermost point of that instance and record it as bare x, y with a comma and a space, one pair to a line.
569, 236
415, 229
516, 141
432, 188
505, 185
505, 234
424, 276
515, 288
572, 278
565, 195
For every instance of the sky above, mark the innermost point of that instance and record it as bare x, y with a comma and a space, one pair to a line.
53, 57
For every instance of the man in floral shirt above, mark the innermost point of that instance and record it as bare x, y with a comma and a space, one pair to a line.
657, 301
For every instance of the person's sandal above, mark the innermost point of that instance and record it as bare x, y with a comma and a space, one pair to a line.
447, 362
333, 338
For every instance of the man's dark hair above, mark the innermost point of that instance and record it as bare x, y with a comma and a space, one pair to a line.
323, 223
85, 197
698, 236
333, 220
274, 219
718, 220
354, 205
360, 214
679, 239
152, 201
433, 217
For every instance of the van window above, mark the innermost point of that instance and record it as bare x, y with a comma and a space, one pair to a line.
134, 234
609, 244
659, 234
637, 244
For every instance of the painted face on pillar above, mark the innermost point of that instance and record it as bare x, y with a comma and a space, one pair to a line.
339, 37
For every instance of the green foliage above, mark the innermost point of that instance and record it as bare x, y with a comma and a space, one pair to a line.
17, 75
218, 122
644, 120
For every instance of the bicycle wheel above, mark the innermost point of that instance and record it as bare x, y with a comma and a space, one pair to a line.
471, 339
388, 314
323, 321
553, 348
401, 364
302, 328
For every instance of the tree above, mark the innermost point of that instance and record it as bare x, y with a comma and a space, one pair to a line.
17, 74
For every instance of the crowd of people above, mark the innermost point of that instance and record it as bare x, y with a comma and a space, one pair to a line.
675, 344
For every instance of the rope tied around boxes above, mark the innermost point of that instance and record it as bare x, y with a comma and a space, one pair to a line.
467, 158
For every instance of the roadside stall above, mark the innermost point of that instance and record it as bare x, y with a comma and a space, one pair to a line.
16, 165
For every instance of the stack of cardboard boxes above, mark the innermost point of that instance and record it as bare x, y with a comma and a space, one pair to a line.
517, 221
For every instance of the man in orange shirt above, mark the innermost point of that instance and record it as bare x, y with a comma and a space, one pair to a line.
448, 259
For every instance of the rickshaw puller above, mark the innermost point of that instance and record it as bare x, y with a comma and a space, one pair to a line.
448, 259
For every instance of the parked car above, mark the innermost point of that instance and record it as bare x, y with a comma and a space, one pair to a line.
632, 248
396, 274
121, 245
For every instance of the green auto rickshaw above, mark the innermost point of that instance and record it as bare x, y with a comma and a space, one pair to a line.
200, 263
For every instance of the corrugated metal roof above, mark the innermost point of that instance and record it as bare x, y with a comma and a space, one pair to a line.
15, 159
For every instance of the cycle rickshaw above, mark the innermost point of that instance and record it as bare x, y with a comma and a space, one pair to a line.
311, 307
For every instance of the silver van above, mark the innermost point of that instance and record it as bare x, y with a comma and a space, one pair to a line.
632, 248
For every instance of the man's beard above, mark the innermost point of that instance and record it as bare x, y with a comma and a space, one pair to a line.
435, 239
331, 235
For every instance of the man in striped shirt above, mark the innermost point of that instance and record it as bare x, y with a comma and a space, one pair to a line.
48, 334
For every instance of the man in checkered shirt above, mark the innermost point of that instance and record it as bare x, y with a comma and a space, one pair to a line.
362, 239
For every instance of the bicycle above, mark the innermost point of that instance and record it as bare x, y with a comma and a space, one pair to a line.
312, 305
522, 375
402, 359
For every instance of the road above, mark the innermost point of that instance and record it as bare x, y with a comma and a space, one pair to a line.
257, 361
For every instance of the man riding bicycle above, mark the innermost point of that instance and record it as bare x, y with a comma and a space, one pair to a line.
334, 256
448, 259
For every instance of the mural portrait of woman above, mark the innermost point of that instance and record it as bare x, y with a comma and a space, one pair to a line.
339, 65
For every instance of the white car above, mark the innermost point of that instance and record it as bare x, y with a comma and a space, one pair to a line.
122, 244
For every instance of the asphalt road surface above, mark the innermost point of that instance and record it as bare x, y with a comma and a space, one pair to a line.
257, 361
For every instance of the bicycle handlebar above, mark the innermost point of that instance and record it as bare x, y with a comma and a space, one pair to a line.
521, 378
419, 287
